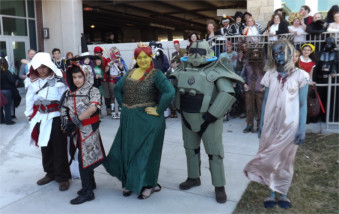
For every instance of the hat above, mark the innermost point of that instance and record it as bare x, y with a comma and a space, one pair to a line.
294, 16
98, 49
39, 59
226, 19
238, 14
175, 42
309, 45
84, 56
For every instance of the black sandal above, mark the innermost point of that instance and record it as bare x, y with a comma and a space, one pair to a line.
126, 192
153, 189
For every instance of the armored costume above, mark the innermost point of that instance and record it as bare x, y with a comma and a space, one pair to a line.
87, 136
42, 101
204, 88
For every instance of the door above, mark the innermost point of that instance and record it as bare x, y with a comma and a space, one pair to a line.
15, 48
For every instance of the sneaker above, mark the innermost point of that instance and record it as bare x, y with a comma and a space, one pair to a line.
114, 116
189, 183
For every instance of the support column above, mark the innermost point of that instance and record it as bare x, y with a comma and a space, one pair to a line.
65, 22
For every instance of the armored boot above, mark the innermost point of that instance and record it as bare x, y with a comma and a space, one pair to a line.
189, 183
220, 194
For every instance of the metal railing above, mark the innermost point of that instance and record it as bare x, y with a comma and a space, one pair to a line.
217, 43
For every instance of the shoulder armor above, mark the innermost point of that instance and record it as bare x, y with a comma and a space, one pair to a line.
223, 68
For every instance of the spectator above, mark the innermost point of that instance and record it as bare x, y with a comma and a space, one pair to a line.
277, 27
333, 27
260, 28
330, 15
280, 12
192, 37
230, 53
225, 25
238, 27
307, 60
7, 85
110, 39
210, 30
57, 59
297, 28
68, 60
305, 10
251, 29
317, 26
178, 51
160, 59
24, 66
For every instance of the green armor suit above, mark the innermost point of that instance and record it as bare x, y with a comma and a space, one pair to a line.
203, 96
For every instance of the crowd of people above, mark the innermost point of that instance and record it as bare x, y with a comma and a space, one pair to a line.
205, 84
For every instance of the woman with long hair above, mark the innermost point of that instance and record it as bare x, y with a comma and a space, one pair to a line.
135, 155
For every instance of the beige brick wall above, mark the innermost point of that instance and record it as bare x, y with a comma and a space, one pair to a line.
261, 10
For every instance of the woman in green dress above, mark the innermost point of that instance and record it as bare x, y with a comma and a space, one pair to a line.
135, 155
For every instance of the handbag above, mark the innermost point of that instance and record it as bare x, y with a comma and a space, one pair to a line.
3, 100
313, 103
16, 96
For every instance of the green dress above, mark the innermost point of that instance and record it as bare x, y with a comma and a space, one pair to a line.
135, 155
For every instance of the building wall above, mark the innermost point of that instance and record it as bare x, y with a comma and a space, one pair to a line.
65, 22
262, 10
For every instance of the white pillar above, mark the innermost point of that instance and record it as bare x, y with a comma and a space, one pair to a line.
65, 22
313, 4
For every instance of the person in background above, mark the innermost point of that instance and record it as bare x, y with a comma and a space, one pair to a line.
7, 85
58, 60
333, 27
260, 28
316, 27
192, 37
225, 25
175, 62
24, 66
277, 27
305, 11
68, 60
297, 28
238, 27
330, 15
178, 51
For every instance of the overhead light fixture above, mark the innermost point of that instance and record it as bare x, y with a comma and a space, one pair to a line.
88, 9
161, 26
92, 26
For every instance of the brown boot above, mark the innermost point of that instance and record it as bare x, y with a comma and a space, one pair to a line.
63, 186
220, 194
44, 180
109, 112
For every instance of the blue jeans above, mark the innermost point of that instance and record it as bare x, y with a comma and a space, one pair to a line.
8, 95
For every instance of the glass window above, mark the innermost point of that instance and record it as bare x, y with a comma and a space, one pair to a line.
30, 7
13, 8
19, 52
14, 27
32, 34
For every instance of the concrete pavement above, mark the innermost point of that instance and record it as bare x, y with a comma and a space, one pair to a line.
20, 168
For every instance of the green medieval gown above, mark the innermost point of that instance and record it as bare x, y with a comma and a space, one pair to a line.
135, 155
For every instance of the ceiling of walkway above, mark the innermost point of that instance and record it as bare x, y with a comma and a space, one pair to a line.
165, 14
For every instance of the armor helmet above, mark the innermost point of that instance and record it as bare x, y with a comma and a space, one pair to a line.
199, 53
